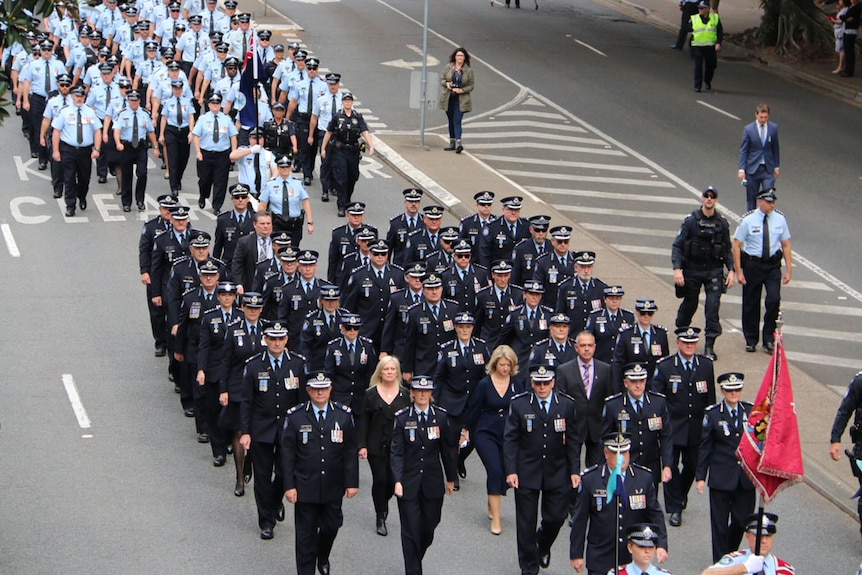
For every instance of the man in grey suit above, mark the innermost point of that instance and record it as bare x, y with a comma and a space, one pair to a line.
759, 158
251, 249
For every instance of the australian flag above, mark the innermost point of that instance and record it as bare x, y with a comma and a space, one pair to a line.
251, 70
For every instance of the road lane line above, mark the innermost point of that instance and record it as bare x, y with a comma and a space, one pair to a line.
542, 146
591, 179
634, 249
10, 241
616, 212
537, 136
804, 331
588, 47
75, 400
797, 306
525, 124
719, 110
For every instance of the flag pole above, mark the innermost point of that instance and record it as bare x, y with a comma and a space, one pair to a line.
255, 72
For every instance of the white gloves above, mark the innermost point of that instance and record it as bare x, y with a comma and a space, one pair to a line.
754, 564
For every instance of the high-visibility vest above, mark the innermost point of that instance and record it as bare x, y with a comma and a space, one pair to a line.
704, 34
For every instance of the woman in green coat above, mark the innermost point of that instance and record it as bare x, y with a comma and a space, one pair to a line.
455, 100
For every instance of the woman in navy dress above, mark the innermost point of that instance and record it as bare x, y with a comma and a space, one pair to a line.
486, 416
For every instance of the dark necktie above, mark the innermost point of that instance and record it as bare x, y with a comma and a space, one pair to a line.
257, 175
434, 311
197, 43
179, 113
645, 337
512, 230
638, 405
212, 22
244, 45
415, 298
308, 100
563, 261
277, 365
108, 98
434, 241
216, 135
532, 316
332, 323
80, 129
380, 275
285, 200
64, 101
47, 77
351, 353
422, 421
733, 418
333, 104
688, 369
135, 130
320, 417
765, 249
209, 298
545, 406
251, 333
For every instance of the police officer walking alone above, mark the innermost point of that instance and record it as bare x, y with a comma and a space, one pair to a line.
343, 133
700, 252
706, 36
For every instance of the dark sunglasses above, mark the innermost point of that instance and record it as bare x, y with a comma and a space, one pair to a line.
351, 328
462, 256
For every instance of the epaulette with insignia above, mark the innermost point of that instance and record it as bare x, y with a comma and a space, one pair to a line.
392, 219
465, 218
312, 313
344, 408
439, 408
743, 402
331, 341
659, 327
411, 306
626, 309
365, 339
396, 266
629, 328
614, 396
224, 215
522, 241
218, 261
152, 219
188, 291
778, 212
639, 466
180, 260
564, 394
522, 394
295, 408
713, 406
589, 469
299, 355
657, 394
541, 342
402, 410
748, 213
479, 339
666, 358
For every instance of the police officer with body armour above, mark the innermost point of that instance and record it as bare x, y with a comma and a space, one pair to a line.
342, 141
701, 251
322, 110
279, 134
851, 406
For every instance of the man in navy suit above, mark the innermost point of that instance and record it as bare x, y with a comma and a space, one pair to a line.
758, 155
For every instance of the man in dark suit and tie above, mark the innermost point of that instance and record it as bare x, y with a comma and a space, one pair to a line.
251, 249
758, 155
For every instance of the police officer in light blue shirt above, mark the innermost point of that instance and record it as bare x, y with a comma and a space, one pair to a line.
52, 109
760, 244
255, 164
37, 82
321, 114
132, 128
76, 141
214, 137
302, 96
177, 119
298, 202
102, 98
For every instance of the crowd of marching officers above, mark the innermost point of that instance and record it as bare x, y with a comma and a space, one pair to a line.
395, 353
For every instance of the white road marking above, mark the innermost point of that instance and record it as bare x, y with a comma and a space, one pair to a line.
588, 47
541, 146
15, 207
617, 212
719, 110
823, 360
634, 249
10, 241
565, 164
75, 400
591, 179
611, 195
797, 306
525, 124
629, 230
536, 136
659, 271
804, 331
534, 114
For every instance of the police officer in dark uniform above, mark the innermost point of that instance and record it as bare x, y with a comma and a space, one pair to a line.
687, 380
322, 326
642, 343
369, 290
399, 303
357, 259
731, 493
232, 225
186, 270
301, 297
216, 324
557, 349
464, 280
195, 302
270, 282
404, 224
471, 226
851, 405
461, 364
701, 251
273, 381
428, 326
527, 324
500, 237
342, 142
444, 258
556, 265
320, 460
279, 134
420, 455
265, 268
343, 240
153, 228
581, 294
528, 251
644, 415
606, 323
424, 241
541, 455
495, 302
350, 361
599, 526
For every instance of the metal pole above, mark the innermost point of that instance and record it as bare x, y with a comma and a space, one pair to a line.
424, 84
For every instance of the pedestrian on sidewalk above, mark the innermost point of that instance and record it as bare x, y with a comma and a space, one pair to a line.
759, 157
838, 27
706, 36
851, 32
455, 100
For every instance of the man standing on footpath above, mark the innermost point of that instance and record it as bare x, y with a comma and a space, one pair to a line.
759, 158
700, 253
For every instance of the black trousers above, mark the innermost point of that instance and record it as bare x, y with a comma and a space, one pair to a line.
37, 111
760, 274
419, 518
292, 227
192, 394
689, 9
325, 166
316, 526
134, 158
108, 150
727, 513
219, 437
382, 482
212, 176
268, 489
345, 173
711, 280
158, 320
705, 62
676, 490
56, 168
177, 149
77, 169
850, 53
307, 152
531, 542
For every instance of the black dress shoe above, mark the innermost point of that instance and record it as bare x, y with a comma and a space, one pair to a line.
142, 206
266, 534
216, 211
323, 567
708, 86
381, 526
103, 179
462, 469
280, 513
710, 353
203, 438
127, 208
306, 181
457, 486
58, 195
160, 352
170, 377
218, 461
33, 155
239, 492
675, 47
675, 519
189, 412
202, 202
70, 212
750, 348
119, 192
43, 166
178, 390
340, 212
230, 449
769, 347
324, 197
82, 203
544, 558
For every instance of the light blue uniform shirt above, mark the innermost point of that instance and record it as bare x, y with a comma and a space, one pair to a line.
187, 44
67, 122
163, 90
204, 130
272, 195
35, 73
125, 122
165, 31
220, 19
169, 110
148, 69
303, 90
108, 21
246, 171
103, 98
750, 232
323, 109
289, 79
